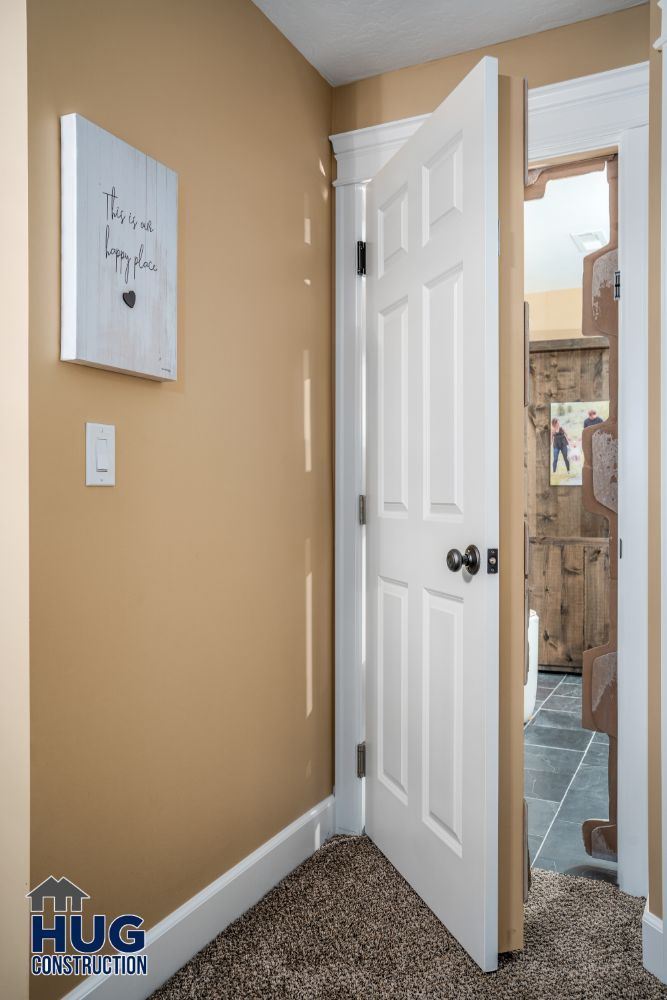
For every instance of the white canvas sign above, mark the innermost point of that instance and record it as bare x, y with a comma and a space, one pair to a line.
119, 232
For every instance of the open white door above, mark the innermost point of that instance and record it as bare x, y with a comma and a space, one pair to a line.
432, 446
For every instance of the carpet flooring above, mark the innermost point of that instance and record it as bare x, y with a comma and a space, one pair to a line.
346, 925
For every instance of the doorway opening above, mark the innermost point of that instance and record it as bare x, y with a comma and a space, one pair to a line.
570, 711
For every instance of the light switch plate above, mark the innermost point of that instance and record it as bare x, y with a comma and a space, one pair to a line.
100, 455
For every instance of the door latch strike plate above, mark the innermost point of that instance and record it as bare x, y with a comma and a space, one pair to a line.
492, 561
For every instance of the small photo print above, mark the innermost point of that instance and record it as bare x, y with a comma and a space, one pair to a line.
568, 421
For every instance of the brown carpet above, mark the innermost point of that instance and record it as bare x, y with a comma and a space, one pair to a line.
346, 925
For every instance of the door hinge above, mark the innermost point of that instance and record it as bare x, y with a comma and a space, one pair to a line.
362, 508
527, 873
361, 760
361, 257
617, 285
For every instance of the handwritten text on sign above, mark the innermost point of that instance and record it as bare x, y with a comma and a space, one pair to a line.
125, 262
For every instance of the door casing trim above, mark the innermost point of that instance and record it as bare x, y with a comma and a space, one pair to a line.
575, 116
655, 940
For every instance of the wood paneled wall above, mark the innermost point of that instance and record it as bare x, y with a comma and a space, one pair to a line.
569, 589
569, 546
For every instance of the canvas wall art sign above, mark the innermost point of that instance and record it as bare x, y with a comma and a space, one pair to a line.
568, 421
119, 244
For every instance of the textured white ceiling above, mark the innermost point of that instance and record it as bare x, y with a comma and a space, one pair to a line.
350, 39
571, 205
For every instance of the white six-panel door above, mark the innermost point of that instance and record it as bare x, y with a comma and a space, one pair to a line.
432, 446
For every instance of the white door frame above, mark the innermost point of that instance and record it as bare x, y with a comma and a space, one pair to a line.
576, 116
654, 940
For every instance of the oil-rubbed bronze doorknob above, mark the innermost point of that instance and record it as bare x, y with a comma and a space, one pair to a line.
454, 560
470, 559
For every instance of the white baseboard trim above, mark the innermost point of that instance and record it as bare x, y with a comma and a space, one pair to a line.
652, 945
172, 942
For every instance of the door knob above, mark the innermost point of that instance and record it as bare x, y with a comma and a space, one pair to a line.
470, 559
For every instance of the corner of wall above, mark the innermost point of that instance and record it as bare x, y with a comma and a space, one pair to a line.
14, 642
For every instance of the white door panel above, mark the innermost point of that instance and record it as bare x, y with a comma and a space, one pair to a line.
432, 445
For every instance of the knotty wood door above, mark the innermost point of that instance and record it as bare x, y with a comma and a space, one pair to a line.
569, 545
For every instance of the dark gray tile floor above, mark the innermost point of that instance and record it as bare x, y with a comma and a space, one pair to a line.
565, 777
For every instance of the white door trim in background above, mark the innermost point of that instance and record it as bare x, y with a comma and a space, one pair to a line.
576, 116
655, 941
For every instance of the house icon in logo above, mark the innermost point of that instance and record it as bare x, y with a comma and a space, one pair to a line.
60, 890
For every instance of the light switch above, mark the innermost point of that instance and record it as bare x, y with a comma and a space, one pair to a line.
100, 455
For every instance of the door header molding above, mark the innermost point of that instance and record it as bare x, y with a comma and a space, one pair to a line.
360, 154
588, 113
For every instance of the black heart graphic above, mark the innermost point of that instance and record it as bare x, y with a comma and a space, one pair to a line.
129, 298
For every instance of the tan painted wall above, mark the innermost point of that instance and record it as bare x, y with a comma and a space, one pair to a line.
563, 53
654, 772
555, 315
14, 663
172, 730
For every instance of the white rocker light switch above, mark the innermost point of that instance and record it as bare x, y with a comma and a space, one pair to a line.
100, 455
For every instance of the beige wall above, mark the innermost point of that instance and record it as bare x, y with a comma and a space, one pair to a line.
654, 774
563, 53
14, 664
172, 728
555, 315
